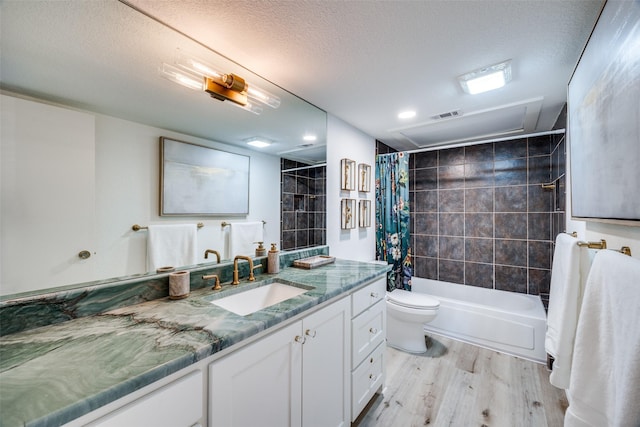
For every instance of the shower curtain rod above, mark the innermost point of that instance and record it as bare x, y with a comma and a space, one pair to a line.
463, 144
319, 165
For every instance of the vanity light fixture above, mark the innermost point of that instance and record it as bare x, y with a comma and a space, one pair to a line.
197, 74
258, 142
486, 78
309, 137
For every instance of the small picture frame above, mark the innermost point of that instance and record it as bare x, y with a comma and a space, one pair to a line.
348, 213
364, 177
364, 213
347, 174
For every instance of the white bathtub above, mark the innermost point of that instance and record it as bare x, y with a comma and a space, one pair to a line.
509, 322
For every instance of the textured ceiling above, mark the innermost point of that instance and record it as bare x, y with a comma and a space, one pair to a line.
103, 56
361, 61
364, 61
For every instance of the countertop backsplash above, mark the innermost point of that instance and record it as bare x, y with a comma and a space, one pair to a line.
31, 310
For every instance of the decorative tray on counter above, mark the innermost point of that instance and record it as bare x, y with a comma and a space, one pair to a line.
314, 261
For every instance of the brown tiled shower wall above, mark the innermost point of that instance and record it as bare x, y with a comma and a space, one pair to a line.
480, 217
303, 201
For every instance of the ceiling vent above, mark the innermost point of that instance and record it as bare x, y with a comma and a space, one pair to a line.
447, 115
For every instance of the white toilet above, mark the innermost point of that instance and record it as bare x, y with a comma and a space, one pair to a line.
407, 312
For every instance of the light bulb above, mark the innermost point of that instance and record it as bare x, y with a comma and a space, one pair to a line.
197, 66
263, 96
181, 77
250, 106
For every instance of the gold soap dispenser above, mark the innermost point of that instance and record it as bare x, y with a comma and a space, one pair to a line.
273, 260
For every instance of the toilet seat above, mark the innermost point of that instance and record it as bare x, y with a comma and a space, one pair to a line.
412, 300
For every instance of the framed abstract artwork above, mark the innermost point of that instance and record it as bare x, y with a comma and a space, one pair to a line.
348, 213
202, 181
347, 174
603, 116
364, 177
364, 213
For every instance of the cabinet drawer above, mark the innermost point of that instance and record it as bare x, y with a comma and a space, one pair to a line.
367, 331
366, 379
178, 404
367, 296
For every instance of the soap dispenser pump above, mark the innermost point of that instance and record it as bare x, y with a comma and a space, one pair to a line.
260, 250
273, 260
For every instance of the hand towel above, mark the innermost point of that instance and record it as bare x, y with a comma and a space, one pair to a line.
243, 236
605, 376
568, 275
172, 244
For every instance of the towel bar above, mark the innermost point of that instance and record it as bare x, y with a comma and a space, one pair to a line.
602, 244
225, 223
136, 227
549, 186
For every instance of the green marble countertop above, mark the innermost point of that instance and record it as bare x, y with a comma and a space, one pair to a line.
53, 374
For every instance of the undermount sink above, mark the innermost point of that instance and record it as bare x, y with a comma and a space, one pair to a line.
250, 301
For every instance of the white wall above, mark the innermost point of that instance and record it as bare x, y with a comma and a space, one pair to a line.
345, 141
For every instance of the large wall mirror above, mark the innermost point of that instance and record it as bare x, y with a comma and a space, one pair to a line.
102, 58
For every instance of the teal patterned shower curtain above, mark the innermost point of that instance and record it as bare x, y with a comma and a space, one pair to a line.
393, 242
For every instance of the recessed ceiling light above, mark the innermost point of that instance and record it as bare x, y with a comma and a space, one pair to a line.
309, 137
486, 78
407, 114
258, 142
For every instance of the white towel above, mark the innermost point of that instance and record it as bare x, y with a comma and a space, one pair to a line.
243, 236
568, 276
605, 377
171, 245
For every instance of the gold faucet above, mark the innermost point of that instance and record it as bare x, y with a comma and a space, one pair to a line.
217, 286
211, 251
236, 281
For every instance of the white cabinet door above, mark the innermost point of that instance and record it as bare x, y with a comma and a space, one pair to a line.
326, 367
48, 195
259, 385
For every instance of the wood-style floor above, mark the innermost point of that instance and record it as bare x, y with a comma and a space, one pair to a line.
458, 384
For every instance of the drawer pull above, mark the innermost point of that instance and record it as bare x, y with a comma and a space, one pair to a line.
310, 333
374, 294
373, 330
300, 339
371, 360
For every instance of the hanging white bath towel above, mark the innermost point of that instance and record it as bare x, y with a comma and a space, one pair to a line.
568, 276
243, 236
605, 375
171, 245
